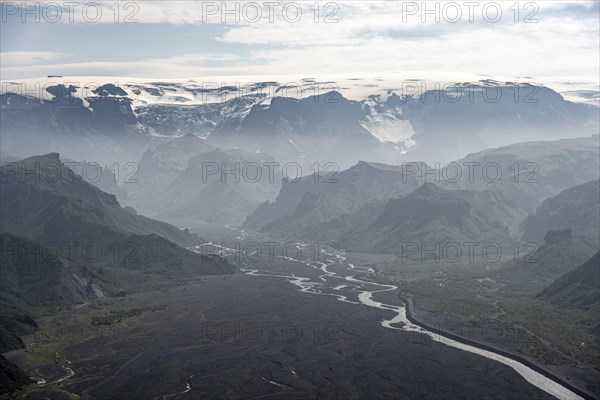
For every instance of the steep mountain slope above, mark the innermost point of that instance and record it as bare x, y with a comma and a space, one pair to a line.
578, 288
187, 179
102, 177
221, 187
100, 127
87, 225
320, 128
35, 278
428, 217
471, 116
315, 199
489, 207
11, 377
40, 277
549, 261
577, 208
306, 209
530, 172
41, 198
158, 168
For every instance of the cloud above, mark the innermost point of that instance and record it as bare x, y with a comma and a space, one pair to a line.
369, 37
186, 65
19, 58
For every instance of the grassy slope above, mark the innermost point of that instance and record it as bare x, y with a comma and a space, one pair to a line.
501, 295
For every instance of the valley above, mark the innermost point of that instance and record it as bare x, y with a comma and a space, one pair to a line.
353, 200
177, 307
326, 328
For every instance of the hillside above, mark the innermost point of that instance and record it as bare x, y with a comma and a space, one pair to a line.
44, 201
35, 279
528, 173
428, 217
41, 198
11, 377
578, 288
312, 200
549, 261
576, 208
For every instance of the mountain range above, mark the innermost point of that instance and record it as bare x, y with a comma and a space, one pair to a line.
313, 121
374, 207
375, 168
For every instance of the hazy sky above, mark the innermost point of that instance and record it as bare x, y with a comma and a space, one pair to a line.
183, 39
